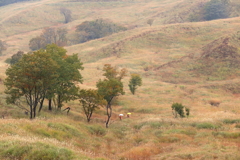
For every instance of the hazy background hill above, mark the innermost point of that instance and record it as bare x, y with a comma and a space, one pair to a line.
181, 57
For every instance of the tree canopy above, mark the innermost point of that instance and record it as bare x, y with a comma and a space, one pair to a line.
216, 9
49, 36
90, 100
111, 86
99, 28
49, 73
31, 77
134, 82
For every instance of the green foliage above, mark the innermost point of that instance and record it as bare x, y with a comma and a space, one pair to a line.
16, 57
216, 9
49, 36
206, 125
150, 22
68, 75
33, 151
37, 43
8, 60
99, 28
178, 109
90, 100
111, 86
234, 135
44, 74
30, 77
231, 121
134, 82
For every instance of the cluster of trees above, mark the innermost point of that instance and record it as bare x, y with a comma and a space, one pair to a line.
50, 74
214, 9
6, 2
44, 74
49, 35
99, 28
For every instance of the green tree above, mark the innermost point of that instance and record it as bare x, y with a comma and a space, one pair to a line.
90, 100
67, 14
65, 88
37, 43
48, 36
134, 82
99, 28
216, 9
16, 57
111, 86
150, 22
31, 77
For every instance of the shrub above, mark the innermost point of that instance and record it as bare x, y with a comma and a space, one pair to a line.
237, 126
179, 109
235, 135
33, 151
214, 102
231, 121
206, 125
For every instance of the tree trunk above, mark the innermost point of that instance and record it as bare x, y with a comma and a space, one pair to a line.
31, 112
59, 102
109, 113
50, 104
41, 105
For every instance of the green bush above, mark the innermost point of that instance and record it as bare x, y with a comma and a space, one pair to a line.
179, 109
33, 151
231, 121
206, 125
235, 135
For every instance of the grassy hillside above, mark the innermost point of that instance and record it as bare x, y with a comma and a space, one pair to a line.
193, 63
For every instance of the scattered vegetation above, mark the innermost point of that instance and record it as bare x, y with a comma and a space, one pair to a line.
90, 100
3, 46
134, 82
111, 86
67, 14
42, 75
16, 57
150, 22
99, 28
179, 109
49, 36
